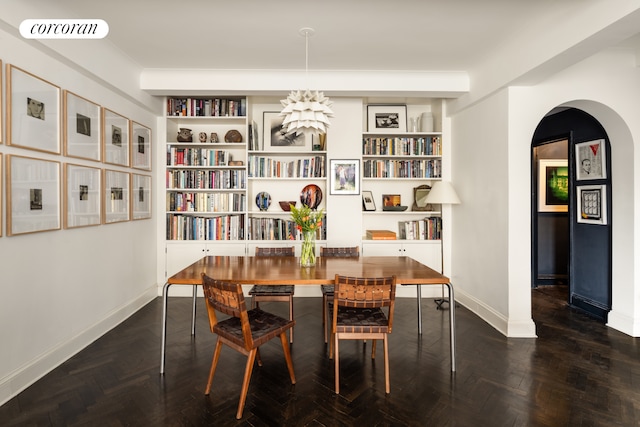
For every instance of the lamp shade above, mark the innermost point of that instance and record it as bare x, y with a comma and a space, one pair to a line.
442, 193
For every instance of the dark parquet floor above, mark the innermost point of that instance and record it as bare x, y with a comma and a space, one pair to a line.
577, 373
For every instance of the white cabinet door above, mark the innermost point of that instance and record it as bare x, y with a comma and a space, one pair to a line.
182, 254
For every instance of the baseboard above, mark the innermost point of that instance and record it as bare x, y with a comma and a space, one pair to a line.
18, 380
625, 324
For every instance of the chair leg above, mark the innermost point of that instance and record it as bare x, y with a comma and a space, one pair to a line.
251, 358
214, 364
291, 318
373, 349
386, 365
287, 356
336, 362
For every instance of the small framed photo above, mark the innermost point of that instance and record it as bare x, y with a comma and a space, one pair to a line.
344, 177
592, 204
276, 139
115, 138
33, 195
591, 160
368, 204
1, 133
82, 127
115, 195
33, 113
386, 118
391, 200
82, 196
553, 185
140, 196
140, 146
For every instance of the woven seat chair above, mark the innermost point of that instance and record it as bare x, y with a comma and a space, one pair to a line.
245, 331
281, 293
358, 312
327, 290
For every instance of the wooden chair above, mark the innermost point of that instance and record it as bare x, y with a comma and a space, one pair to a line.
327, 290
244, 331
282, 293
357, 313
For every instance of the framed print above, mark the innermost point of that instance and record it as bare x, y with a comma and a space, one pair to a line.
1, 174
386, 118
345, 177
140, 146
115, 138
276, 139
33, 112
1, 116
553, 185
82, 126
115, 196
591, 160
592, 204
82, 196
368, 204
140, 196
33, 195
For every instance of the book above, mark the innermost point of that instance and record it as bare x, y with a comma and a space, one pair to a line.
381, 235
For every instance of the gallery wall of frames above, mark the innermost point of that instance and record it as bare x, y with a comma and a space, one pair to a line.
104, 172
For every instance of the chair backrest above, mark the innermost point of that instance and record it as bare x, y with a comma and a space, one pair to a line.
366, 292
281, 251
348, 252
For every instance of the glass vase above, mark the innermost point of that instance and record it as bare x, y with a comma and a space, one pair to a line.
308, 254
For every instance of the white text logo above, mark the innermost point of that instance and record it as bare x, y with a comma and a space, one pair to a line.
64, 29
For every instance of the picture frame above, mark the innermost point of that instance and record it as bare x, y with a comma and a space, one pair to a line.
140, 146
368, 203
82, 196
592, 204
391, 200
344, 176
1, 116
387, 118
1, 175
276, 139
115, 138
33, 112
553, 185
140, 196
115, 196
33, 195
420, 194
82, 127
591, 159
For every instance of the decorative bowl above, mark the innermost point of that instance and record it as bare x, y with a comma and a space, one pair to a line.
286, 205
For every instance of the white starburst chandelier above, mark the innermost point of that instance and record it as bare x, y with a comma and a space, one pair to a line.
306, 111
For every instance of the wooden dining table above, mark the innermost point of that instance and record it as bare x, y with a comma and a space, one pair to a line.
252, 270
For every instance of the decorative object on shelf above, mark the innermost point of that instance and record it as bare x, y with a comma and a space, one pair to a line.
214, 137
233, 136
380, 235
307, 222
345, 177
202, 136
236, 163
367, 201
394, 208
414, 124
311, 196
319, 142
286, 206
276, 138
306, 111
420, 194
263, 200
390, 200
427, 122
185, 135
387, 118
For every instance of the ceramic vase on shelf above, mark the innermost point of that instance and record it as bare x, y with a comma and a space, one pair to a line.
427, 122
414, 124
308, 254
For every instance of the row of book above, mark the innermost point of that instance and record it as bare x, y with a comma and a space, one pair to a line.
304, 167
387, 168
206, 202
424, 146
429, 228
280, 229
185, 227
182, 156
201, 107
225, 179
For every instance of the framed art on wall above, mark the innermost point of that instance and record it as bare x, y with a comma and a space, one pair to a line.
33, 195
386, 118
140, 146
553, 185
592, 204
82, 127
591, 160
82, 196
140, 196
115, 196
276, 139
33, 112
1, 133
344, 177
115, 138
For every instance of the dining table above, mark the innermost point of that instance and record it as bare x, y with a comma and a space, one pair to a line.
251, 270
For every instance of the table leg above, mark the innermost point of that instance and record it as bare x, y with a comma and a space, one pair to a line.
419, 294
452, 326
163, 346
193, 310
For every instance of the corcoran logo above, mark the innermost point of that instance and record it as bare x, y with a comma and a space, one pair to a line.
64, 29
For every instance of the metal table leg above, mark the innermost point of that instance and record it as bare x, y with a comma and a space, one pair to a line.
452, 326
163, 346
419, 294
193, 310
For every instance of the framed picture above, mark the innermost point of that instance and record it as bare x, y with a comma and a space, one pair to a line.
1, 133
344, 177
386, 118
115, 138
592, 204
367, 201
33, 195
140, 196
391, 200
82, 196
591, 160
140, 146
115, 196
553, 185
33, 113
1, 175
82, 126
276, 139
